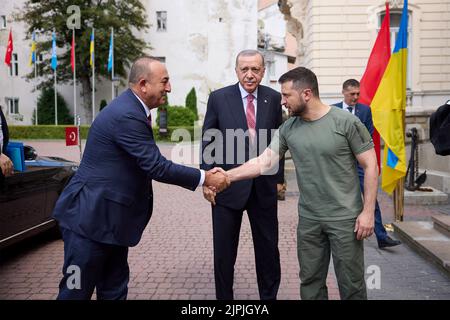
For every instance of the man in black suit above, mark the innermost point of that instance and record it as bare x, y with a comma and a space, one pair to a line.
6, 164
247, 107
107, 204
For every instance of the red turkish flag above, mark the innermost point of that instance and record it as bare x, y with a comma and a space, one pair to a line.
71, 136
9, 49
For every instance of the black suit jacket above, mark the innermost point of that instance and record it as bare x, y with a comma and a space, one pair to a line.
4, 130
225, 110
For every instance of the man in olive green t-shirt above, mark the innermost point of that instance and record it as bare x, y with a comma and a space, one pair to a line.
325, 143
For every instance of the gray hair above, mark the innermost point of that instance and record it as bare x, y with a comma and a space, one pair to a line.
140, 68
249, 53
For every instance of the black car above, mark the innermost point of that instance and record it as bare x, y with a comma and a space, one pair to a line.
27, 198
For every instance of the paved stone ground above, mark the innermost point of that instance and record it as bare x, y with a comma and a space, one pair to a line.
174, 258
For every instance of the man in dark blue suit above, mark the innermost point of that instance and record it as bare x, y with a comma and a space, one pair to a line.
108, 203
6, 165
350, 90
232, 111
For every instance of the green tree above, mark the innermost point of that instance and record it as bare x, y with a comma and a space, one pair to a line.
191, 102
46, 108
127, 17
178, 116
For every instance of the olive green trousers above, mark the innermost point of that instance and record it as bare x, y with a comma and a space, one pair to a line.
316, 242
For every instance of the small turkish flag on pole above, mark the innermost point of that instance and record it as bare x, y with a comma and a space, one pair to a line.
9, 49
71, 136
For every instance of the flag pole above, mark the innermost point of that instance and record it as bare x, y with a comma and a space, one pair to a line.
78, 123
399, 191
56, 101
35, 81
399, 197
112, 70
74, 80
54, 66
93, 76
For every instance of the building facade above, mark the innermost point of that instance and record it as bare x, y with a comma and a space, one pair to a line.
335, 39
197, 39
274, 42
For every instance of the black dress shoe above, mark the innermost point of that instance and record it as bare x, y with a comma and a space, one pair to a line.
388, 242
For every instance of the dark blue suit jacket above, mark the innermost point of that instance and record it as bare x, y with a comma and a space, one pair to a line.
110, 198
225, 110
364, 114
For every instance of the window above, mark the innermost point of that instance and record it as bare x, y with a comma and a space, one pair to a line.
2, 22
161, 20
14, 69
161, 59
13, 105
395, 17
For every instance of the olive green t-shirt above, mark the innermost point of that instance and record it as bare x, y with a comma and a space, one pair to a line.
324, 152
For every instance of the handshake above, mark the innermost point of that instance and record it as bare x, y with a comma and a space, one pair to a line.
216, 180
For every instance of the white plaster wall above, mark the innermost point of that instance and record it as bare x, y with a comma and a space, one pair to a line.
16, 86
202, 40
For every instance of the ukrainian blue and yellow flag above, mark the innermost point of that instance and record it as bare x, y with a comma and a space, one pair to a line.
33, 49
91, 50
388, 109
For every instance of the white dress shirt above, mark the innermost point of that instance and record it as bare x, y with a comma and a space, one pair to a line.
345, 107
244, 95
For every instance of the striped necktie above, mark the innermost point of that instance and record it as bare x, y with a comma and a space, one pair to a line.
251, 119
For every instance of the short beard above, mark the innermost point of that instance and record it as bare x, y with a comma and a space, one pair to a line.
299, 112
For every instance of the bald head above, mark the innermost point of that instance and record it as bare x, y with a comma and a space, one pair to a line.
141, 69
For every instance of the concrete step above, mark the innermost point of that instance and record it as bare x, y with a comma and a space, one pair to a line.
438, 179
429, 196
441, 223
427, 241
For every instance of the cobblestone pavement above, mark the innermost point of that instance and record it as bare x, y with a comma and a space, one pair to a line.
174, 258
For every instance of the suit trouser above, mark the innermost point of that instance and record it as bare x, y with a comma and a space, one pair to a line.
316, 241
380, 231
89, 264
264, 226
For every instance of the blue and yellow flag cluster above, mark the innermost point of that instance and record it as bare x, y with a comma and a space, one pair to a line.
91, 50
388, 109
33, 49
54, 58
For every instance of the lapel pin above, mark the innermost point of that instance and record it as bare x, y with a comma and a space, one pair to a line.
265, 101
